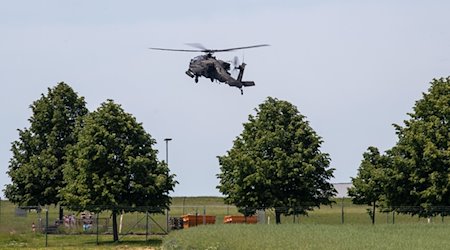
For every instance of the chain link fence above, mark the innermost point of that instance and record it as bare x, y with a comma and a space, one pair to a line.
144, 223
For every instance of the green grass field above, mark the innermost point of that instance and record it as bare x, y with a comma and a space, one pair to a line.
311, 236
322, 228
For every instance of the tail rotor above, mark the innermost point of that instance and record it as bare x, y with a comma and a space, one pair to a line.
236, 62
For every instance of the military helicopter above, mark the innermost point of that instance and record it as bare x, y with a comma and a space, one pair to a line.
208, 66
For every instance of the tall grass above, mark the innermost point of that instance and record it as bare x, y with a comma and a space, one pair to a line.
38, 241
311, 236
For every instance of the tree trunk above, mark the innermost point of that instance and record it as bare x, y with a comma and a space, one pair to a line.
373, 213
277, 216
114, 221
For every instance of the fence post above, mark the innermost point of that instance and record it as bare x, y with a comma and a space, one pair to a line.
393, 216
146, 225
167, 220
196, 214
97, 226
46, 227
40, 218
204, 215
342, 211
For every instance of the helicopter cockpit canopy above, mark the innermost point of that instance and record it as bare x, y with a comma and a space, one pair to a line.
197, 58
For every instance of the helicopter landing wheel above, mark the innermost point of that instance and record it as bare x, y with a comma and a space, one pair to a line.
196, 79
242, 92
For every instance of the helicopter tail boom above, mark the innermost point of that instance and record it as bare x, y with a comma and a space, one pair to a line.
241, 71
240, 84
248, 83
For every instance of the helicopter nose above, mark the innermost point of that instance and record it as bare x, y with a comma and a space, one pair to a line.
189, 73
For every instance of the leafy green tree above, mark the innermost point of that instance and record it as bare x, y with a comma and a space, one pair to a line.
38, 155
421, 157
369, 185
114, 167
276, 162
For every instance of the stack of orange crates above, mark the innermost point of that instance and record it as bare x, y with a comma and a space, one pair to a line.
197, 220
239, 219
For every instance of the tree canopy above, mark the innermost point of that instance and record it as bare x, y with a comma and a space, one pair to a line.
38, 155
421, 157
369, 184
114, 167
276, 162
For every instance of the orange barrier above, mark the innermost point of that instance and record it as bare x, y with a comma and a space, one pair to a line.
197, 220
239, 219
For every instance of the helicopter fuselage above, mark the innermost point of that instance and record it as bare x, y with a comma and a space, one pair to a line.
214, 69
209, 67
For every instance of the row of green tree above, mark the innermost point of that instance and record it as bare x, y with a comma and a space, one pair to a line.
412, 177
97, 161
104, 160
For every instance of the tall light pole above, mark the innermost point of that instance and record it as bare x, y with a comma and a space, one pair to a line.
167, 149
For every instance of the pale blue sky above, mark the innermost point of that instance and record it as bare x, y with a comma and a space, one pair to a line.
352, 67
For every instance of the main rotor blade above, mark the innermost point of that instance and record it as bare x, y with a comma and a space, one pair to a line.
183, 50
201, 48
198, 46
237, 48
